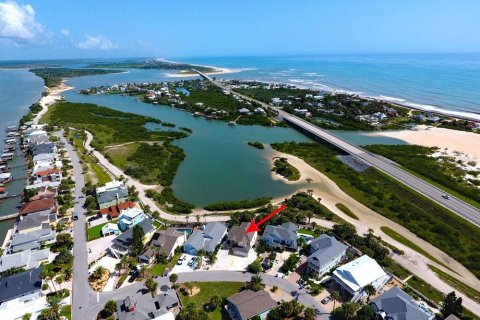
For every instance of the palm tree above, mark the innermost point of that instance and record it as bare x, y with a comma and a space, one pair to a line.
60, 279
255, 283
27, 316
309, 215
198, 218
335, 297
98, 273
54, 307
110, 307
186, 218
173, 278
152, 285
309, 314
370, 291
215, 301
44, 275
143, 271
310, 192
188, 286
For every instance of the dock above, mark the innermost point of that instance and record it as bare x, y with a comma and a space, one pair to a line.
10, 216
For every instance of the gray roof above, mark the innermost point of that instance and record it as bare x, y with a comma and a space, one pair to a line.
44, 157
31, 240
325, 249
20, 284
108, 196
250, 303
164, 240
285, 231
147, 307
238, 234
452, 317
398, 305
126, 238
42, 148
36, 220
25, 259
166, 299
209, 238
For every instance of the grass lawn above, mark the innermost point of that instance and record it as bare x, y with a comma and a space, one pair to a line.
426, 289
398, 237
96, 232
306, 231
67, 312
159, 268
207, 291
460, 286
346, 210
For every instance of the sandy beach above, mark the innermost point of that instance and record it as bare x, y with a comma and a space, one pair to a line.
53, 96
456, 143
216, 72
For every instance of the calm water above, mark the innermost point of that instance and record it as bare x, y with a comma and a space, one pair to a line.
219, 165
18, 90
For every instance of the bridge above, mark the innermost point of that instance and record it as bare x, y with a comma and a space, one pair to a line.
387, 166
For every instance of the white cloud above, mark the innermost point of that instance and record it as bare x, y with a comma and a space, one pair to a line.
97, 42
65, 32
18, 23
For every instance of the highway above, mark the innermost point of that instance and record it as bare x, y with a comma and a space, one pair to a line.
454, 204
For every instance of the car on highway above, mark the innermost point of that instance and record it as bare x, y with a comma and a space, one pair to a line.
446, 196
326, 300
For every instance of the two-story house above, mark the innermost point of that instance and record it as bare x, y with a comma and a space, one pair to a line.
397, 304
283, 236
326, 252
121, 245
207, 239
239, 241
130, 217
163, 243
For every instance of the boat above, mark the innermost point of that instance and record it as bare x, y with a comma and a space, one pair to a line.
231, 123
11, 128
5, 177
7, 156
4, 168
3, 193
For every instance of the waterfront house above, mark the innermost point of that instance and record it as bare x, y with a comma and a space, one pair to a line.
27, 259
35, 221
110, 229
355, 275
397, 304
112, 197
239, 241
24, 286
43, 148
43, 157
32, 240
121, 244
110, 186
44, 193
248, 304
49, 177
130, 217
48, 205
283, 236
326, 252
38, 138
207, 239
163, 243
244, 111
114, 211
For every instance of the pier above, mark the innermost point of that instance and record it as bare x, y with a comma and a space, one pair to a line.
9, 217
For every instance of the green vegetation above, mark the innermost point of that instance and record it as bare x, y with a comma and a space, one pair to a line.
256, 144
290, 264
398, 237
94, 233
346, 210
235, 205
33, 110
149, 163
159, 268
460, 286
208, 290
266, 95
153, 64
54, 76
66, 312
426, 289
444, 172
422, 216
285, 169
307, 231
167, 200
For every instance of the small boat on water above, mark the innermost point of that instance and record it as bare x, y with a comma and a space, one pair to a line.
5, 177
3, 192
10, 147
197, 114
10, 141
4, 168
7, 156
231, 123
11, 128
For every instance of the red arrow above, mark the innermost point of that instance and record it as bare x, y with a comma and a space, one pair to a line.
253, 227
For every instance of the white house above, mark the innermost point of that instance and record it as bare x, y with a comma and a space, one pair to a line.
326, 252
355, 275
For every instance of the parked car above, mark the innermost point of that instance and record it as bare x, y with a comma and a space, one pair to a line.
192, 262
326, 300
75, 217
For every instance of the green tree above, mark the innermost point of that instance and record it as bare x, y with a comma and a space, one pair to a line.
335, 297
137, 242
59, 280
451, 305
173, 278
349, 309
370, 291
54, 307
255, 283
152, 285
191, 312
27, 316
215, 301
309, 313
189, 287
255, 267
111, 306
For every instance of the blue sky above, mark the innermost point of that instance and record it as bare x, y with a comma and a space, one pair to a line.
39, 29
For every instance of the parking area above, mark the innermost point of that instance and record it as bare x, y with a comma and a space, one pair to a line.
97, 248
226, 261
279, 260
183, 267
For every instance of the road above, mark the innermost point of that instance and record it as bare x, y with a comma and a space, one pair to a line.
136, 290
454, 204
82, 294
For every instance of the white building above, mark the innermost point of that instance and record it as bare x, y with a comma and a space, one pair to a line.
111, 186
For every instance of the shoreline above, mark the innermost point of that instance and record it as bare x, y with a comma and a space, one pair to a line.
53, 95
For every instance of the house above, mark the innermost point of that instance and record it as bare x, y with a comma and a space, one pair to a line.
115, 210
397, 304
244, 111
39, 137
163, 242
452, 317
326, 252
26, 259
283, 236
147, 308
35, 221
239, 241
207, 239
276, 101
23, 286
48, 205
259, 111
130, 217
121, 244
43, 157
51, 177
110, 229
112, 197
355, 275
110, 186
248, 304
32, 240
49, 148
44, 193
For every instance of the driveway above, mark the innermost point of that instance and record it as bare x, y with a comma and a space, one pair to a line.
226, 261
98, 248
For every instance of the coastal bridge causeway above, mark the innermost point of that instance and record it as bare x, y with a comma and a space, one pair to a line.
387, 166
